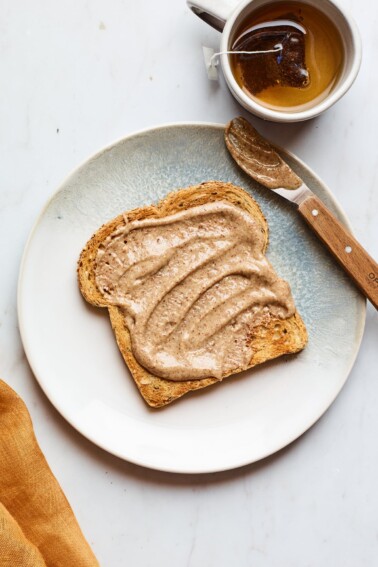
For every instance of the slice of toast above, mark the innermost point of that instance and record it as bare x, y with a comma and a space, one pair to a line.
269, 340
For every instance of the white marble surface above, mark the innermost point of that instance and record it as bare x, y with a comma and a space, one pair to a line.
76, 75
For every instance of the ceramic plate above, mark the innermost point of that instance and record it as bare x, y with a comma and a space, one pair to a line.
73, 354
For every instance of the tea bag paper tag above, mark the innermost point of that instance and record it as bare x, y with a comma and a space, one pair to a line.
211, 63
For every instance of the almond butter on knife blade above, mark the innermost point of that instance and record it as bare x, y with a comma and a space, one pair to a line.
257, 157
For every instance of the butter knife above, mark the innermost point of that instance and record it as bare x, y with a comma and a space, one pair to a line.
257, 157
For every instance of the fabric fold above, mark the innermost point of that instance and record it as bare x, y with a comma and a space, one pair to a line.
36, 520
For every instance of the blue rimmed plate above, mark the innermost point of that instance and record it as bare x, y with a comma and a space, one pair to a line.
72, 351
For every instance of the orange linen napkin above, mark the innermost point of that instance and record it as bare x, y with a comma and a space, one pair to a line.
37, 525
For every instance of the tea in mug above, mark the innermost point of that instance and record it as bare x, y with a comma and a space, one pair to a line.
299, 55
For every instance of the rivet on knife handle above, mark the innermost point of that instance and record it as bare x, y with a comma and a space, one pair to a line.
350, 254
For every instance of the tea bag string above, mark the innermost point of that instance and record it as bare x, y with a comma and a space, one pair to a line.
213, 59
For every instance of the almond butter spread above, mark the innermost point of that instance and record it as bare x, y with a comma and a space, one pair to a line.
257, 156
191, 286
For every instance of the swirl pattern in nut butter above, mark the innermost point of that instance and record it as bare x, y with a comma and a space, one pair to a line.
257, 156
191, 286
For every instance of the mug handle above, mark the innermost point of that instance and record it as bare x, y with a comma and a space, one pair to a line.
213, 12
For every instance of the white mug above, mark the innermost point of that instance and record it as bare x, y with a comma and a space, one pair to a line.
226, 15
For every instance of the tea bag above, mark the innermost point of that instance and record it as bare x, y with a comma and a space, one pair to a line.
261, 69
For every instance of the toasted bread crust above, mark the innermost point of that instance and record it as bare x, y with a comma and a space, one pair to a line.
269, 341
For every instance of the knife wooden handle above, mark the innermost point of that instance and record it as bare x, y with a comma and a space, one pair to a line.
350, 254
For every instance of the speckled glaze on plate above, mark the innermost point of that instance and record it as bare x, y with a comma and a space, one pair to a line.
73, 354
